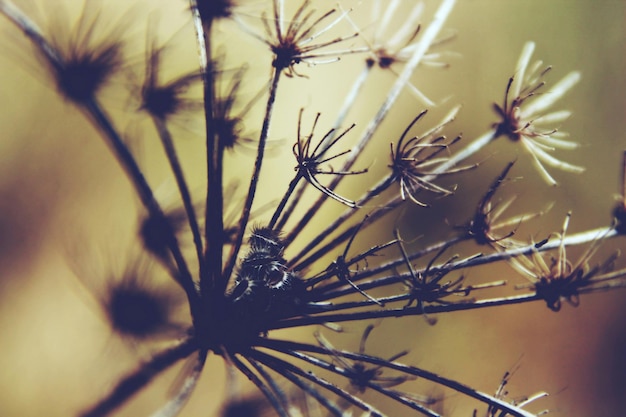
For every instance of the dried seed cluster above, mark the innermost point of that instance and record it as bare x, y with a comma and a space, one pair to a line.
300, 268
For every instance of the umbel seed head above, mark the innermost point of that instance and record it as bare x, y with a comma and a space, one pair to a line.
84, 72
136, 312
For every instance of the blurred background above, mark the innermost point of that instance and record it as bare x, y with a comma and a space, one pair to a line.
66, 209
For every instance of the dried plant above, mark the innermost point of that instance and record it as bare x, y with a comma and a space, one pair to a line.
332, 250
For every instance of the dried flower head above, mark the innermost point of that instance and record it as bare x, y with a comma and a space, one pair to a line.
163, 100
82, 61
138, 311
559, 278
413, 162
361, 375
482, 228
265, 289
503, 394
310, 158
386, 50
426, 286
245, 286
297, 42
523, 117
228, 111
156, 231
398, 47
132, 302
211, 10
341, 266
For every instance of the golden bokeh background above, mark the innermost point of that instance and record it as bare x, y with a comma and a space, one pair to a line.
65, 205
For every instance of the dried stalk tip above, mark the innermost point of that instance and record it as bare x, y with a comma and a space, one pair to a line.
294, 44
414, 162
84, 73
523, 119
138, 312
483, 227
619, 213
480, 227
227, 124
360, 374
503, 394
163, 100
135, 307
560, 278
310, 158
82, 62
211, 10
156, 233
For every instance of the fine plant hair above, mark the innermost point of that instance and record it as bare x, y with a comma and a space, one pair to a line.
279, 247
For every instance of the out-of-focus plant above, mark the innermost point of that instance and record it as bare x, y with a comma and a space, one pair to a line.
246, 276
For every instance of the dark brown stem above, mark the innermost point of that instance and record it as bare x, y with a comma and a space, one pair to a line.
245, 215
144, 191
136, 380
172, 156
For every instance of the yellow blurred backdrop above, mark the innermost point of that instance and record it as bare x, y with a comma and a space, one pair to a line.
64, 201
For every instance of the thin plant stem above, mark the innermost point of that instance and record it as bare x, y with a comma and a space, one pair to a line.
124, 156
278, 392
407, 296
261, 386
128, 386
173, 406
427, 38
215, 284
623, 172
277, 363
295, 349
435, 308
325, 402
345, 216
343, 371
349, 101
391, 265
469, 150
31, 30
172, 156
201, 37
245, 214
126, 159
475, 260
279, 210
